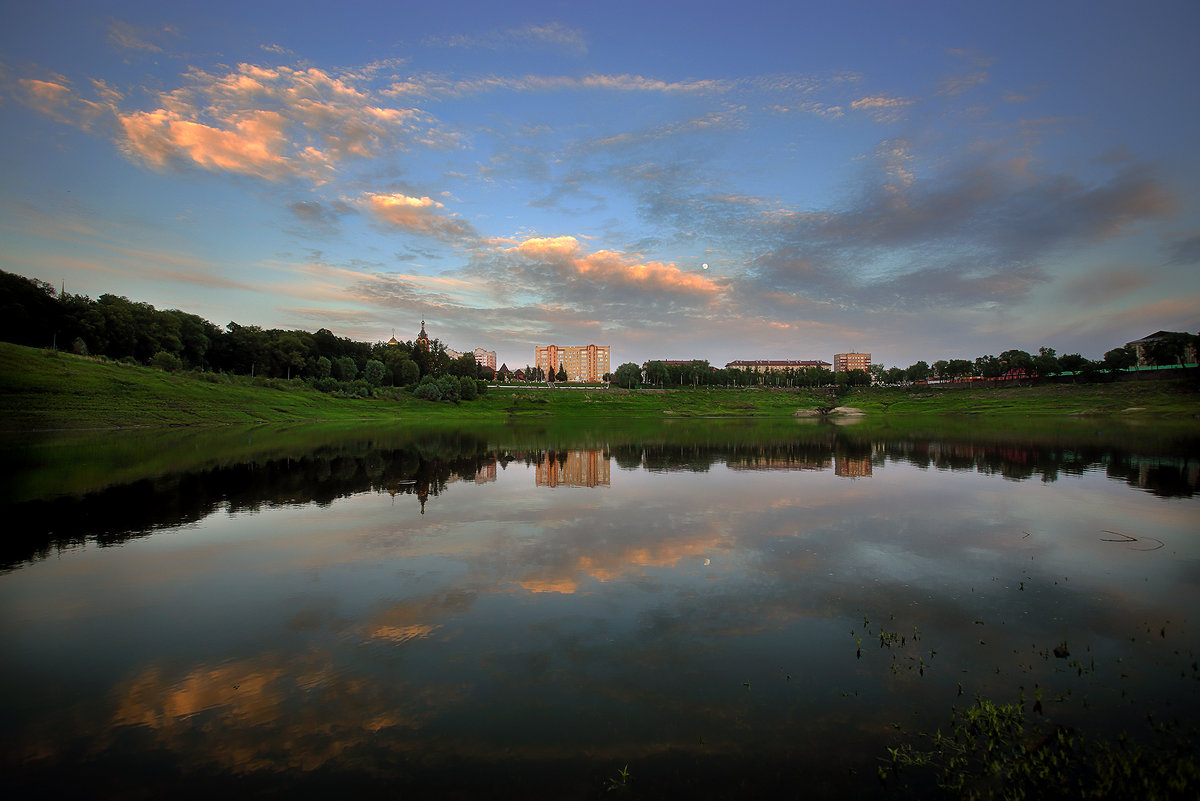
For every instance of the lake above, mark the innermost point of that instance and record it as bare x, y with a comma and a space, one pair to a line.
669, 609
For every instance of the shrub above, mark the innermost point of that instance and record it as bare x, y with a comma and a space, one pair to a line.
467, 388
327, 384
167, 362
450, 388
428, 391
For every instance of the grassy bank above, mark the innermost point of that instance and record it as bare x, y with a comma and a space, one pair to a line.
43, 390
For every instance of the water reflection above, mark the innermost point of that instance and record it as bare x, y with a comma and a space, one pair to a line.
423, 469
728, 610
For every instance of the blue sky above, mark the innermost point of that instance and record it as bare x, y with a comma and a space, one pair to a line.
919, 180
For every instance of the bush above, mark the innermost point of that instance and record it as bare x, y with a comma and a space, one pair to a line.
167, 362
326, 384
467, 388
427, 391
450, 388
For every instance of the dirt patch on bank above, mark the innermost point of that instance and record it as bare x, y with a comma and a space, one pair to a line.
838, 411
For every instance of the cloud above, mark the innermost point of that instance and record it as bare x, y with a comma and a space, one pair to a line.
1185, 251
418, 215
1099, 286
318, 217
880, 108
137, 38
977, 232
561, 260
273, 123
437, 85
58, 99
550, 34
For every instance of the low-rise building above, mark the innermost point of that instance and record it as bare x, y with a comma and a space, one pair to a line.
775, 365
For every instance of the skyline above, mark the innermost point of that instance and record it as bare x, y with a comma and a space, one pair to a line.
921, 181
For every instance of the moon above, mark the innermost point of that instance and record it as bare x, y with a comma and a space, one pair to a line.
705, 265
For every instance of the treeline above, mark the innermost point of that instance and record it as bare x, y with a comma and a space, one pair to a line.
1173, 348
699, 373
34, 313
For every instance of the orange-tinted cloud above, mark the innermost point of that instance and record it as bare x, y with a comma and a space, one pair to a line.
56, 98
271, 123
418, 215
883, 109
255, 145
607, 267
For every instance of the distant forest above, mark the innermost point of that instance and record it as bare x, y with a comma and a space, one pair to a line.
34, 313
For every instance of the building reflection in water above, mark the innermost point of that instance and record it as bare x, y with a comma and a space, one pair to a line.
573, 468
851, 466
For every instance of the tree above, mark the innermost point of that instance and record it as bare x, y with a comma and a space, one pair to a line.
627, 375
857, 378
1072, 363
374, 372
288, 353
656, 373
324, 367
464, 365
959, 368
1119, 359
344, 369
988, 367
1015, 360
28, 311
562, 374
1046, 362
468, 390
917, 372
409, 373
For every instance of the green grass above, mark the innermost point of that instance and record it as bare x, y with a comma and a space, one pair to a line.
1167, 398
45, 390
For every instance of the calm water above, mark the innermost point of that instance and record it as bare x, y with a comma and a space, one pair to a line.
729, 610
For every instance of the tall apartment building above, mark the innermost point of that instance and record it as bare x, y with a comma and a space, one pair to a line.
485, 358
581, 362
844, 362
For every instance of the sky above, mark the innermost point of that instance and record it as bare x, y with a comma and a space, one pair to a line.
699, 180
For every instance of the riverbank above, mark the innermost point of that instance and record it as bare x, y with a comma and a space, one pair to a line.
44, 390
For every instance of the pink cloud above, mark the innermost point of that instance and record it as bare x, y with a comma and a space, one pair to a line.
270, 122
255, 145
418, 215
56, 98
606, 267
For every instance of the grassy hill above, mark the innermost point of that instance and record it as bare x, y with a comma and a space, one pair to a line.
43, 390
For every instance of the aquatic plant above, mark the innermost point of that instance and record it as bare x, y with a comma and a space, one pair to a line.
993, 752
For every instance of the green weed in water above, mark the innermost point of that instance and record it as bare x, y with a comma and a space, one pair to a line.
992, 752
